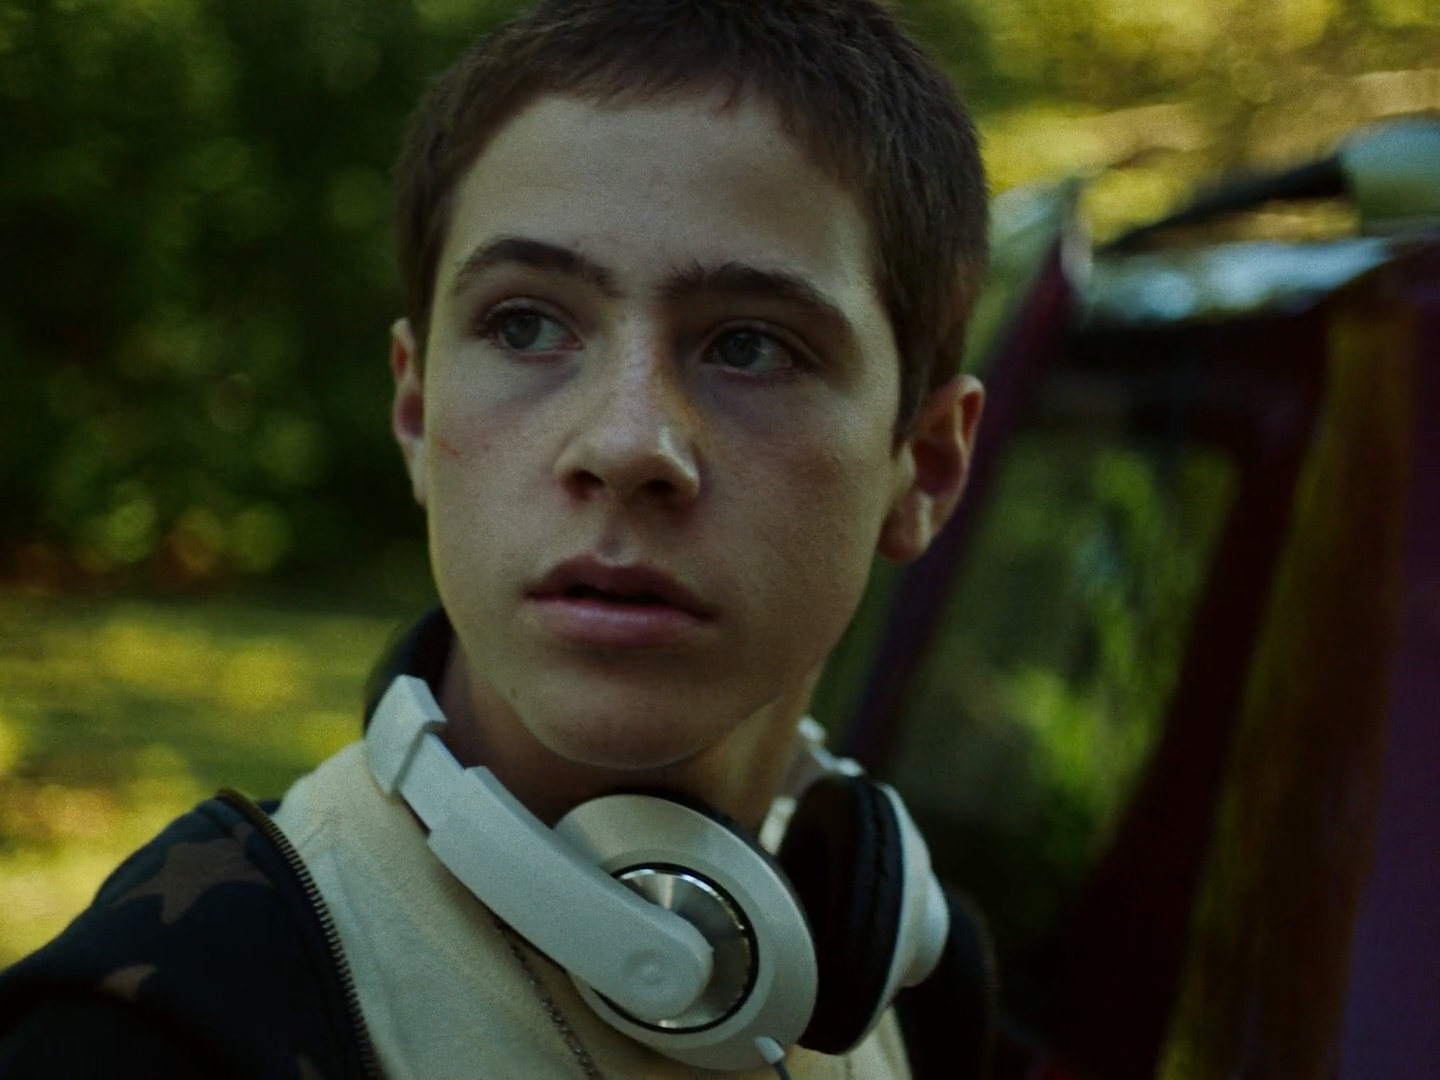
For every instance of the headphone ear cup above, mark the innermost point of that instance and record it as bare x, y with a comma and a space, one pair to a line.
765, 975
843, 856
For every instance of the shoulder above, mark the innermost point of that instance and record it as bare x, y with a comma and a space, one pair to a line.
206, 945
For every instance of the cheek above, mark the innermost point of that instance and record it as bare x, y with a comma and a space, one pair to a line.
460, 427
457, 466
843, 486
470, 447
466, 474
825, 520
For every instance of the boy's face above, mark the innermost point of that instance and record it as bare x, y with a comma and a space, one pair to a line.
654, 432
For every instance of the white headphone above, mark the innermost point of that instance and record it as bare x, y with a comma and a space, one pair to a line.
677, 928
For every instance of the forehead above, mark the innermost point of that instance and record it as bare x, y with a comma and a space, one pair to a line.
649, 187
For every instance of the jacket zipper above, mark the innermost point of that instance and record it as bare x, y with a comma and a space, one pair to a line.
369, 1066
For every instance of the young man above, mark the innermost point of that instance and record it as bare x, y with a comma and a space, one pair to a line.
687, 285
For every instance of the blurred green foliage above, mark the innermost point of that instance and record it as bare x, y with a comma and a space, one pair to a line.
115, 717
198, 285
198, 275
1044, 694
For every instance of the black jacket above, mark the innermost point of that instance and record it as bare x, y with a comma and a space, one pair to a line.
206, 954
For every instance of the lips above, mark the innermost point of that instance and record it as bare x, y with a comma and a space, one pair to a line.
590, 579
586, 602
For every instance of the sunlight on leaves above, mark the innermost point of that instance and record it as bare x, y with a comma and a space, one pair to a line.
11, 746
157, 660
114, 719
263, 676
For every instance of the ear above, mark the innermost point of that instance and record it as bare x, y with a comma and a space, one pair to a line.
935, 463
407, 414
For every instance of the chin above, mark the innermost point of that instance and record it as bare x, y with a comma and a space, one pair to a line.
638, 740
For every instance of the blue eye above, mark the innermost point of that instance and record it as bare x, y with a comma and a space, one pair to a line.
523, 330
751, 351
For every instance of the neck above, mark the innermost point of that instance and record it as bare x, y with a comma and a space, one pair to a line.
739, 775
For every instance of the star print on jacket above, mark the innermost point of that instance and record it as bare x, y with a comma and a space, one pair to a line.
192, 869
233, 969
125, 982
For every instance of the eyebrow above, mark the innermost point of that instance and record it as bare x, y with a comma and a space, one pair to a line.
742, 281
536, 255
731, 279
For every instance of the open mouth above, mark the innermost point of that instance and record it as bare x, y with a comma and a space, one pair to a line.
592, 605
591, 589
589, 592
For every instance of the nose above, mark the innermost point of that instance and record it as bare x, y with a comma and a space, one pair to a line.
637, 431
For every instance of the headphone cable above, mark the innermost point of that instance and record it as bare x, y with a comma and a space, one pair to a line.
774, 1055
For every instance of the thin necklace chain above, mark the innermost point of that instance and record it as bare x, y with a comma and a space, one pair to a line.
557, 1018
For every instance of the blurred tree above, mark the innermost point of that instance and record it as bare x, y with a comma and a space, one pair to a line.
1164, 95
194, 308
198, 279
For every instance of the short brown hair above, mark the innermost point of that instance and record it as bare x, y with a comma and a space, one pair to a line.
846, 80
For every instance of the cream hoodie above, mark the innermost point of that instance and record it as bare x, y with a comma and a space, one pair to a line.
442, 992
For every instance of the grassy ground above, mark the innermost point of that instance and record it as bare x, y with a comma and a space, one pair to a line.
116, 716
